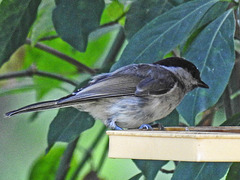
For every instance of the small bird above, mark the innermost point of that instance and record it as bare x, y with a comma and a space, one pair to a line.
132, 96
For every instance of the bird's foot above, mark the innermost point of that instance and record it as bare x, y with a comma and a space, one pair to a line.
112, 125
146, 126
118, 128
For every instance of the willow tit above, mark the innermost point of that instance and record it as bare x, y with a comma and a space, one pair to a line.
132, 96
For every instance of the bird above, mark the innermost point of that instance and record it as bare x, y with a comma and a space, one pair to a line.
132, 96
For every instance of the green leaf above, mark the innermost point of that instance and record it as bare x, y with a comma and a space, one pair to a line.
112, 12
232, 121
213, 53
200, 171
74, 20
141, 12
164, 33
16, 18
234, 172
68, 125
46, 166
215, 11
149, 168
43, 26
171, 120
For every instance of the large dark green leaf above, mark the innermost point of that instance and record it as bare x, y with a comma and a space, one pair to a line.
234, 172
200, 171
141, 12
149, 168
164, 33
215, 11
68, 125
213, 53
74, 20
16, 18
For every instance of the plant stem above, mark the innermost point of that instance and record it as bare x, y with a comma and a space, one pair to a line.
104, 155
33, 71
66, 160
88, 154
116, 46
207, 117
115, 21
64, 57
227, 103
167, 171
48, 38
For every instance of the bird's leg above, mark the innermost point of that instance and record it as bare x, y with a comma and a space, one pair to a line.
146, 126
112, 125
159, 126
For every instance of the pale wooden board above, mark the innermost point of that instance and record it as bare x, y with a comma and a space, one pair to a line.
175, 145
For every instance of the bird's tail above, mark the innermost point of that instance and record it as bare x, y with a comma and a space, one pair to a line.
36, 107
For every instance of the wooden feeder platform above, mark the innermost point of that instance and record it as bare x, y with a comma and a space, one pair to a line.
197, 144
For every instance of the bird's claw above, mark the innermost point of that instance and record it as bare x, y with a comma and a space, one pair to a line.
118, 128
145, 126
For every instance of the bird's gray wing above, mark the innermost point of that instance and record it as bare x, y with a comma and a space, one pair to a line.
156, 85
125, 85
112, 86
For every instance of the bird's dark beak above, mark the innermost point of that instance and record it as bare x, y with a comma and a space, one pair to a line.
202, 84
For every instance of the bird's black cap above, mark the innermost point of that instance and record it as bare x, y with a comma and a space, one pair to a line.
183, 63
180, 62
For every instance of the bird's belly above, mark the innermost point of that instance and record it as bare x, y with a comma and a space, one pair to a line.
132, 111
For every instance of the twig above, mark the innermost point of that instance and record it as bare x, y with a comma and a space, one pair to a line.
88, 154
104, 154
116, 47
227, 103
48, 38
167, 171
207, 117
33, 71
64, 57
115, 21
66, 160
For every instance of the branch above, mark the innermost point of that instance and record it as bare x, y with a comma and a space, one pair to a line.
103, 158
113, 52
66, 160
64, 57
227, 103
33, 71
115, 21
167, 171
207, 117
48, 38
